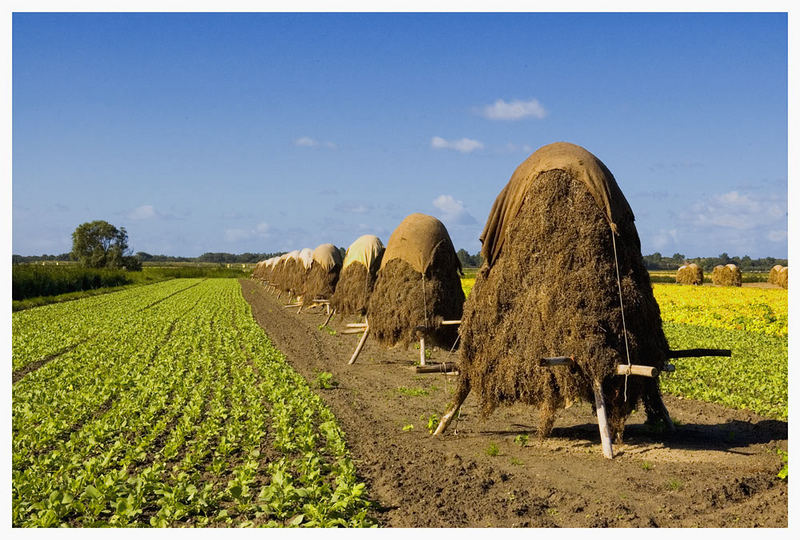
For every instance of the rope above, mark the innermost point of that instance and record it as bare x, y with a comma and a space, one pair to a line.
622, 310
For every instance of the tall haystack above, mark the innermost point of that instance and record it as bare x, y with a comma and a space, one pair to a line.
321, 279
779, 275
727, 275
418, 284
548, 288
305, 259
689, 274
357, 277
260, 270
287, 272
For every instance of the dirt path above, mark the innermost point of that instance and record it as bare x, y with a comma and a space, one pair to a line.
717, 471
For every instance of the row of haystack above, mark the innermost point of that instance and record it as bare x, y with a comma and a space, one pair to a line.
414, 282
779, 275
727, 275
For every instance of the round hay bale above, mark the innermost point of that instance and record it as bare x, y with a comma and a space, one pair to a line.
774, 274
783, 277
727, 275
324, 273
689, 274
418, 284
548, 287
357, 277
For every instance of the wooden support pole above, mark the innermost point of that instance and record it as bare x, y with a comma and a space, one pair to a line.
461, 394
696, 353
327, 309
602, 421
635, 369
356, 325
448, 323
330, 316
444, 367
353, 330
422, 350
292, 305
359, 346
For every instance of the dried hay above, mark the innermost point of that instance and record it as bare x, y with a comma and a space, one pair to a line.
418, 284
357, 277
321, 280
727, 275
689, 274
551, 291
779, 275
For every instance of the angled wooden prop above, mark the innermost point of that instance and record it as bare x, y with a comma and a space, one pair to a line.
360, 343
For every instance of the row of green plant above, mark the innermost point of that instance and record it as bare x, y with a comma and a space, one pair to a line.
171, 410
33, 285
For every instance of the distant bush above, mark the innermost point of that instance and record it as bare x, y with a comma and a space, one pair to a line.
28, 281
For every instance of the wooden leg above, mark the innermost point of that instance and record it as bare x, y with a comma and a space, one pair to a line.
331, 313
422, 351
461, 394
359, 346
602, 421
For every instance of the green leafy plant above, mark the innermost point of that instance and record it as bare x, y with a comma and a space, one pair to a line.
408, 427
433, 422
521, 439
492, 450
325, 380
411, 392
783, 474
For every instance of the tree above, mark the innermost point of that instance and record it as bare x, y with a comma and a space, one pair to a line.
99, 244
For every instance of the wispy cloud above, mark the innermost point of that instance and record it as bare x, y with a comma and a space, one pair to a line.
465, 146
146, 211
261, 230
513, 110
452, 211
740, 211
308, 142
353, 207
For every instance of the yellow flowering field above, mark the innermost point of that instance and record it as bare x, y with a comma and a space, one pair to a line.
753, 309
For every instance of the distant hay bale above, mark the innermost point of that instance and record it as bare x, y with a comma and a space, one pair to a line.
779, 275
548, 287
321, 280
418, 284
689, 274
357, 277
727, 275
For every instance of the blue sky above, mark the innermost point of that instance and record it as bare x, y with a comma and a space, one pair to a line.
266, 132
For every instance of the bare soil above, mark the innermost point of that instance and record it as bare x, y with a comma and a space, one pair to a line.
718, 470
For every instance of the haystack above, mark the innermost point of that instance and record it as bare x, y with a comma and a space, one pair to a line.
727, 275
418, 284
321, 279
287, 272
548, 288
779, 275
357, 277
689, 274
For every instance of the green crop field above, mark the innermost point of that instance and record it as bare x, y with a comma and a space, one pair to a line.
166, 405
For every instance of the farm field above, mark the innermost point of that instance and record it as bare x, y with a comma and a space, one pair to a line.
166, 405
719, 469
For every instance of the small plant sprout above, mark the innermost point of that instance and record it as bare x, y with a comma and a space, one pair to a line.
521, 440
646, 465
325, 380
493, 450
408, 427
433, 422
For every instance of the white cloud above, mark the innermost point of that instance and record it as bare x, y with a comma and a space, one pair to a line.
513, 110
740, 211
453, 211
308, 142
146, 211
261, 230
664, 238
353, 207
464, 145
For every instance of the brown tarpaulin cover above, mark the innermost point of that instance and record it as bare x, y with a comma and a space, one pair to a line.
327, 256
305, 257
366, 250
416, 240
568, 157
